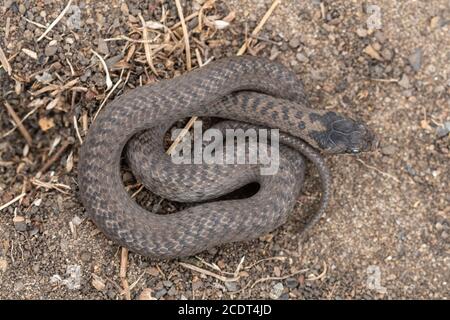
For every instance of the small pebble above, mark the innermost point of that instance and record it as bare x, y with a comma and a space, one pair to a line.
167, 283
50, 50
442, 132
415, 60
380, 36
387, 54
291, 283
389, 150
172, 291
231, 286
19, 223
22, 8
362, 33
85, 256
301, 57
18, 286
102, 47
294, 43
276, 291
404, 82
160, 293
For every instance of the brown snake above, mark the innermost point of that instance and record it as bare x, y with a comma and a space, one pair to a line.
251, 90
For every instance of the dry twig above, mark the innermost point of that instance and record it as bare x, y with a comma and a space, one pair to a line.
12, 201
53, 158
259, 27
209, 273
123, 273
18, 123
148, 51
187, 46
53, 24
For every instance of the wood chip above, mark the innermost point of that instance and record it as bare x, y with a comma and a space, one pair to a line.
46, 123
30, 53
371, 52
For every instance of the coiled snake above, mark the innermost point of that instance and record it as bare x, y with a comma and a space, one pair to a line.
252, 90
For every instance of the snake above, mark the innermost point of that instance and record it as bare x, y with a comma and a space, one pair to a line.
244, 92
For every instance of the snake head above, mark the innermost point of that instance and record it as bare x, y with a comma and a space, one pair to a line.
342, 135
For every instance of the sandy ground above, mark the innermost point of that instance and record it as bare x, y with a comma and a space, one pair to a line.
386, 234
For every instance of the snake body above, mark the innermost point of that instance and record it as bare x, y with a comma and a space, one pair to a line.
253, 91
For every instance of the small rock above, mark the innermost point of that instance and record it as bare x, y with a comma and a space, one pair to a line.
284, 296
50, 50
387, 54
441, 132
85, 256
18, 286
102, 47
444, 235
45, 77
362, 33
160, 293
36, 267
301, 57
231, 286
197, 285
415, 60
86, 75
294, 43
388, 150
20, 223
276, 291
439, 226
74, 21
167, 283
380, 36
172, 291
22, 8
404, 82
291, 283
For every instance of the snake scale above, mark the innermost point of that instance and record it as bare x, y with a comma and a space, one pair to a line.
248, 92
